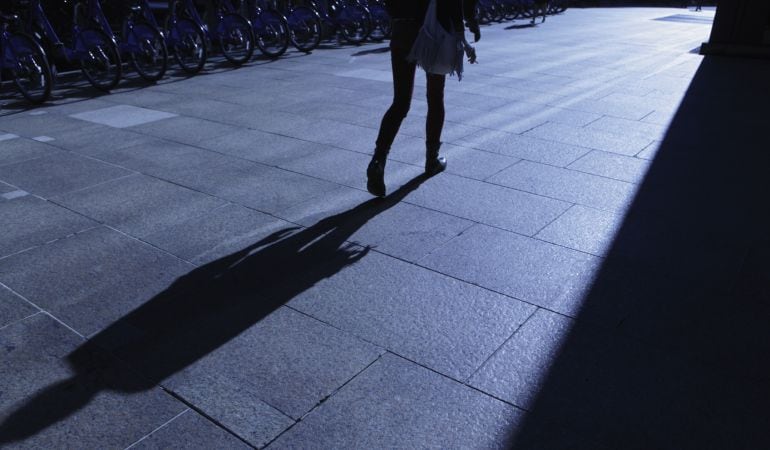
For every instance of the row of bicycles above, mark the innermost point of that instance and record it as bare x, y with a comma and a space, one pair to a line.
489, 11
31, 47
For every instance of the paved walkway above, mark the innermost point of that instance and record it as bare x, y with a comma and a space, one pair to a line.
197, 264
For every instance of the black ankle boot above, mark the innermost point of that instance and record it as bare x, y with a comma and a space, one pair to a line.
433, 163
375, 176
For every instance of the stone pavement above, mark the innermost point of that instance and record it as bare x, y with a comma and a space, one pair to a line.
197, 264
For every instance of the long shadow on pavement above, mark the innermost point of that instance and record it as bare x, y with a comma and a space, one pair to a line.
200, 312
670, 349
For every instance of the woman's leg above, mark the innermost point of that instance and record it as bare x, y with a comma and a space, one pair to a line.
434, 124
403, 86
435, 121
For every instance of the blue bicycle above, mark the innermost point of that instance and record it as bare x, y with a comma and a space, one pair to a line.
139, 40
24, 61
381, 23
89, 46
304, 24
352, 20
230, 30
271, 28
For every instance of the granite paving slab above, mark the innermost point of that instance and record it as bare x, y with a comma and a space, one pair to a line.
59, 174
17, 149
518, 369
259, 146
188, 430
440, 322
185, 130
610, 165
397, 229
487, 203
96, 140
397, 404
524, 147
52, 398
29, 221
13, 308
537, 272
287, 361
568, 185
253, 185
139, 205
582, 228
591, 138
122, 116
120, 273
629, 128
222, 231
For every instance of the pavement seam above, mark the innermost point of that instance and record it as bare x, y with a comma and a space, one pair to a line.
158, 428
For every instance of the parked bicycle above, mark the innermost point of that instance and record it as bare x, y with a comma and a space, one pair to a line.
185, 39
304, 25
271, 28
89, 46
23, 61
139, 40
348, 18
231, 31
381, 24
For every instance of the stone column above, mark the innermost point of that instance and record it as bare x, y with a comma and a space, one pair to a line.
740, 28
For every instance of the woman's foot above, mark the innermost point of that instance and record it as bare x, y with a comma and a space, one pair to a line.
433, 162
375, 178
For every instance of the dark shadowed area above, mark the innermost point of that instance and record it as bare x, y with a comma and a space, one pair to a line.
670, 348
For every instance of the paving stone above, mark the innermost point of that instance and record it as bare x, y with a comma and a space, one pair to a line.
185, 130
52, 398
519, 369
29, 221
397, 229
620, 109
524, 147
59, 174
220, 232
139, 205
610, 165
253, 185
589, 138
259, 146
534, 271
287, 360
327, 163
189, 430
97, 140
13, 308
397, 404
445, 324
487, 203
627, 127
121, 274
123, 116
29, 126
650, 151
585, 229
164, 159
568, 185
473, 163
20, 149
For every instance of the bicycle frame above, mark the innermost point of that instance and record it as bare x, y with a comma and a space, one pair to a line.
38, 19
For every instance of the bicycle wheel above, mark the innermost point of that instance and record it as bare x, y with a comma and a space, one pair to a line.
186, 41
31, 72
271, 32
99, 58
305, 26
147, 51
355, 23
381, 25
236, 38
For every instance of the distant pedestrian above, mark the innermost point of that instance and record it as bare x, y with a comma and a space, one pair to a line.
699, 5
407, 18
